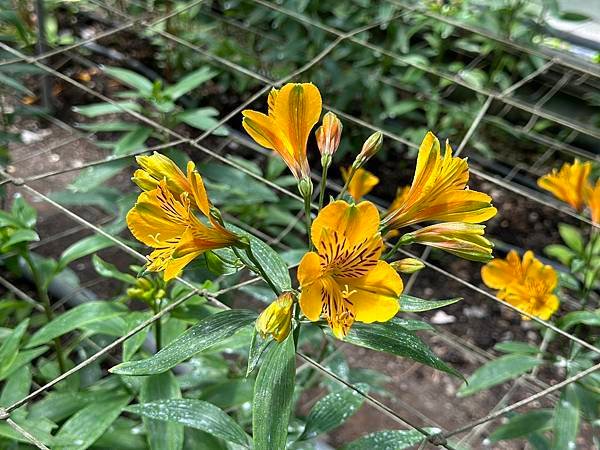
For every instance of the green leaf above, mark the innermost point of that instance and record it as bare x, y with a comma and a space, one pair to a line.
389, 440
566, 421
561, 253
133, 344
498, 371
109, 270
22, 358
75, 318
409, 303
23, 235
203, 119
229, 394
572, 237
100, 109
516, 347
130, 78
332, 411
10, 347
92, 177
89, 423
590, 318
390, 337
189, 82
132, 141
108, 126
522, 424
161, 435
17, 386
195, 414
269, 259
201, 336
258, 345
84, 247
273, 393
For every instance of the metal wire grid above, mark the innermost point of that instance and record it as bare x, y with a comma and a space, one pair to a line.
437, 439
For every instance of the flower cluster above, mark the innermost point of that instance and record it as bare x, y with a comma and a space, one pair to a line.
343, 277
525, 283
163, 217
572, 185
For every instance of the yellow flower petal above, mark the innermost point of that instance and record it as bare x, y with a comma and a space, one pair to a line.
438, 191
293, 111
158, 167
355, 222
375, 296
361, 184
569, 184
158, 217
592, 200
276, 319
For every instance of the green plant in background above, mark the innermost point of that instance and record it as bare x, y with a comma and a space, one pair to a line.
529, 285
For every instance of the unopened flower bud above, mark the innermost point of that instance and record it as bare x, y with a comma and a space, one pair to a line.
276, 319
328, 136
407, 265
371, 146
305, 187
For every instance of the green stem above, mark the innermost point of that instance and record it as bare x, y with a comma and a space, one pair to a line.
347, 183
259, 268
297, 329
308, 219
157, 326
323, 186
45, 300
392, 251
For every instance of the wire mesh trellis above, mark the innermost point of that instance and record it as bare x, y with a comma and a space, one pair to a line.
505, 97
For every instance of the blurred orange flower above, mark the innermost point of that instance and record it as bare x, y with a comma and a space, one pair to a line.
361, 184
569, 183
525, 283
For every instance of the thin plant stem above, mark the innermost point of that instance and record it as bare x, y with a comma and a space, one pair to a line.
261, 271
308, 218
42, 292
323, 186
392, 251
157, 325
347, 183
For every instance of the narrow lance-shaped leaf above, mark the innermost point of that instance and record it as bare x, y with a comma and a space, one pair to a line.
89, 423
566, 421
84, 247
390, 337
273, 393
390, 440
161, 435
130, 78
195, 414
332, 411
498, 371
10, 347
189, 82
201, 336
75, 318
522, 425
409, 303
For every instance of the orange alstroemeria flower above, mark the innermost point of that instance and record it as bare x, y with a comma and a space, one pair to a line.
344, 280
439, 191
569, 183
525, 283
361, 184
592, 200
293, 112
164, 220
